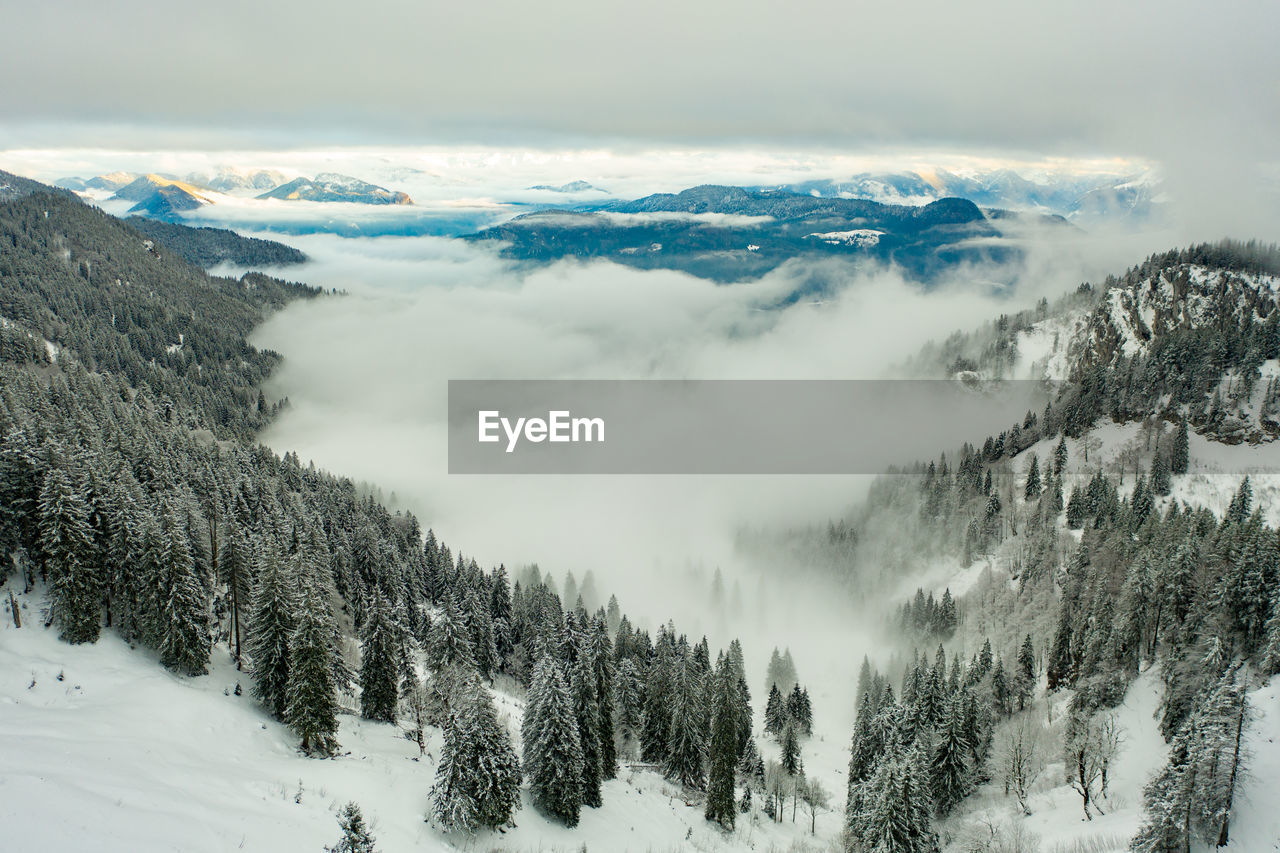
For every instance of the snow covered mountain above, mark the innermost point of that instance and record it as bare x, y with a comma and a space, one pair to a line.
1085, 200
208, 646
160, 197
331, 186
229, 179
727, 233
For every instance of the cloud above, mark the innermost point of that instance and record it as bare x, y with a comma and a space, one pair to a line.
366, 375
1085, 76
630, 220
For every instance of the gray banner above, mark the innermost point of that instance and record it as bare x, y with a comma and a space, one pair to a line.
722, 426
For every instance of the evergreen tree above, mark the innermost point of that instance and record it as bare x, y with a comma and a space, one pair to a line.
792, 763
1060, 457
894, 811
271, 627
1241, 503
775, 712
70, 561
655, 733
502, 617
1026, 678
450, 660
1000, 693
236, 571
356, 837
478, 777
686, 750
949, 776
310, 696
183, 629
552, 751
586, 711
601, 650
1161, 481
1032, 488
1179, 457
379, 664
723, 748
630, 703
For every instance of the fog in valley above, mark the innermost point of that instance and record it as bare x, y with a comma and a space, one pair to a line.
366, 378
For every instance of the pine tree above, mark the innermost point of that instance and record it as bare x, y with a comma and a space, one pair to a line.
552, 752
723, 748
356, 837
1075, 509
183, 629
310, 695
804, 713
1179, 457
450, 660
379, 668
66, 538
502, 616
275, 601
1026, 678
1161, 481
792, 763
985, 660
602, 664
630, 700
949, 776
235, 570
894, 810
686, 749
478, 777
1000, 693
775, 712
1241, 503
586, 712
1060, 457
1032, 488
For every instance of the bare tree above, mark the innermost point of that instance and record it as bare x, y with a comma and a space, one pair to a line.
815, 799
1022, 758
1091, 745
776, 787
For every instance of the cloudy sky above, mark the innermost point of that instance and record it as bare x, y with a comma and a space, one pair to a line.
1078, 78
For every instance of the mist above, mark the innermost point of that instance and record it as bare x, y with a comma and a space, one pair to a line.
366, 376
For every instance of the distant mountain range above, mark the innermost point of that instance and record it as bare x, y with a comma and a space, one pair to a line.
1083, 200
731, 233
166, 197
330, 186
571, 187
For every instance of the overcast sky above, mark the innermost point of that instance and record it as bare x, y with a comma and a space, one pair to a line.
1192, 87
1083, 78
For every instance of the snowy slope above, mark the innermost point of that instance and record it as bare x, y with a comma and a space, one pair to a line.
1256, 825
1057, 819
121, 755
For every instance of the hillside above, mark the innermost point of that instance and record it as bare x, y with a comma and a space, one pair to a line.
209, 247
1100, 617
730, 233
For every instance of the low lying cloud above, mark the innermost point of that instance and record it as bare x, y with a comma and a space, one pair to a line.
367, 378
631, 220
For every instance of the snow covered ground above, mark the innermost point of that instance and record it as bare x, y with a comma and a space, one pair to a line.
1057, 819
1256, 827
102, 749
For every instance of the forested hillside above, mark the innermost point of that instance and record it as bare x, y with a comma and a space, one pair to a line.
208, 247
133, 498
1096, 565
